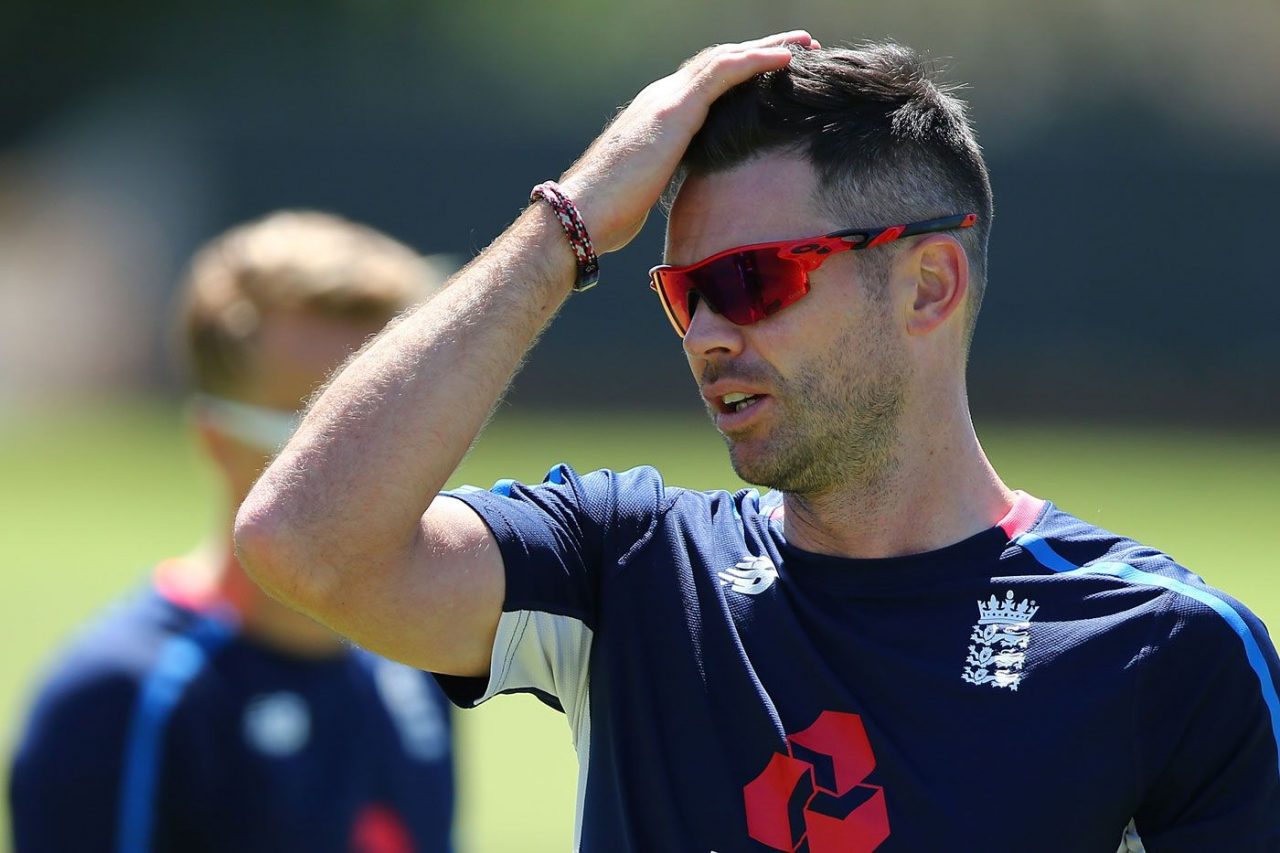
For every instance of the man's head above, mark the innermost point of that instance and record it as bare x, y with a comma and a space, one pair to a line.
269, 309
889, 144
840, 138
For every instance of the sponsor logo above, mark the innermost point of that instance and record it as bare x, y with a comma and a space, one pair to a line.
751, 576
378, 829
815, 797
999, 642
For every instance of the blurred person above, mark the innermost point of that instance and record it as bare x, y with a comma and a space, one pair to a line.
892, 650
198, 714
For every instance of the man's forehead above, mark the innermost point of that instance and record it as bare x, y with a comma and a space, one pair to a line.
770, 197
295, 351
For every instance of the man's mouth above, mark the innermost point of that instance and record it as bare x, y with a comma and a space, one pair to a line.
736, 401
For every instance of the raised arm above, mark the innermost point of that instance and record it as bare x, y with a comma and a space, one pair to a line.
346, 525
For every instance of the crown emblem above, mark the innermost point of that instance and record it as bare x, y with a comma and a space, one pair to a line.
993, 611
999, 642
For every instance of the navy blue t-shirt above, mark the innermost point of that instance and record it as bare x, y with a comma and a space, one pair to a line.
1043, 685
164, 729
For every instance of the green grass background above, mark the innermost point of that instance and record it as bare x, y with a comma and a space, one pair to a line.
90, 497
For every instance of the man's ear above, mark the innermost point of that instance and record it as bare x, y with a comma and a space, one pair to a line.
940, 268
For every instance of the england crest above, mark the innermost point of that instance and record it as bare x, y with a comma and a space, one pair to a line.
999, 642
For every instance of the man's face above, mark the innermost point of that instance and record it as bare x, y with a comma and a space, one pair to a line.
294, 352
828, 373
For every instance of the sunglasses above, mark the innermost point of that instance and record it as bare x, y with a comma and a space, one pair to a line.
747, 284
257, 426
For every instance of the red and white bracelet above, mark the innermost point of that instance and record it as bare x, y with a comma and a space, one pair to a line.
574, 229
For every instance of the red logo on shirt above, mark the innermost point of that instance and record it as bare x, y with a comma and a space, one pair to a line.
378, 829
815, 795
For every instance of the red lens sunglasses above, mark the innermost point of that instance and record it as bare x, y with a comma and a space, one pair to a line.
749, 283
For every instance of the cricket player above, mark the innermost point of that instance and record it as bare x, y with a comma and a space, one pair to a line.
893, 649
198, 714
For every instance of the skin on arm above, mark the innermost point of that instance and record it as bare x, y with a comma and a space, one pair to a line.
345, 525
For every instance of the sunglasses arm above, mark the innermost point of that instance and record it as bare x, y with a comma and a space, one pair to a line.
863, 238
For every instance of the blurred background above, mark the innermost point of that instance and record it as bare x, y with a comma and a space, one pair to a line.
1126, 364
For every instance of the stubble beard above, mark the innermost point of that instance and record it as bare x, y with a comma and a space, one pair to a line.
836, 424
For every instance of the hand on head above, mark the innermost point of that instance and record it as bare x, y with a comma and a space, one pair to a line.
621, 176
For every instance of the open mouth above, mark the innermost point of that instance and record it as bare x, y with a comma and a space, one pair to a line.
736, 408
737, 402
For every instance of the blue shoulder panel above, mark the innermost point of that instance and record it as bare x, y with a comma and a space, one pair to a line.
180, 661
1050, 559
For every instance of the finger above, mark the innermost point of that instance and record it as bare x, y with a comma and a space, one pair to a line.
777, 40
722, 71
798, 37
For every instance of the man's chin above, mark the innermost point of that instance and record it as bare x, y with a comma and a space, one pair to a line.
770, 467
752, 466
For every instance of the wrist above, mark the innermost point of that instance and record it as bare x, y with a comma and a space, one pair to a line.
541, 236
553, 196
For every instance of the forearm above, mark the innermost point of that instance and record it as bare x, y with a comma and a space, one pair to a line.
339, 526
379, 443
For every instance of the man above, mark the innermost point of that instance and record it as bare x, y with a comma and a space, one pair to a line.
892, 650
200, 714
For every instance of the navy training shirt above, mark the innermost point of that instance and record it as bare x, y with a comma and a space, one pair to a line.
1043, 685
165, 729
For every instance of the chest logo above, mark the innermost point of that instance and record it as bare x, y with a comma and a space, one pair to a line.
751, 576
816, 797
277, 724
999, 642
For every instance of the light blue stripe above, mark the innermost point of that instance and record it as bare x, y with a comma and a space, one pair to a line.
1045, 555
556, 474
1050, 559
180, 661
503, 487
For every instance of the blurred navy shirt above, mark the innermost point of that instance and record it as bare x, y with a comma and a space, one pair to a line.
165, 729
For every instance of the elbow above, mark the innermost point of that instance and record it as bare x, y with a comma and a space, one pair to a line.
274, 554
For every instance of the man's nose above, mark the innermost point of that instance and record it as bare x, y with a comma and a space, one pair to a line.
711, 334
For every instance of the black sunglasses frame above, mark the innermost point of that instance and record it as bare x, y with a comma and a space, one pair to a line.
810, 252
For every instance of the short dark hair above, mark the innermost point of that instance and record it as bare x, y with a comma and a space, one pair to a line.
888, 142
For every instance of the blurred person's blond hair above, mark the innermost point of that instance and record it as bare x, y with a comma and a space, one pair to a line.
291, 261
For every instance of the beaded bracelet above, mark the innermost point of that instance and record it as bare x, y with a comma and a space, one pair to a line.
574, 229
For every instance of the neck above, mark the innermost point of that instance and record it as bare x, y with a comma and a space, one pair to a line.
213, 575
938, 489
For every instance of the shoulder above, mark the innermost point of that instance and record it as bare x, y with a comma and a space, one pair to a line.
100, 721
1191, 621
85, 700
96, 679
642, 483
114, 651
1064, 544
637, 490
583, 504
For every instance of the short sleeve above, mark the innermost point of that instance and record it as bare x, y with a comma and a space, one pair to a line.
64, 783
557, 540
1208, 730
